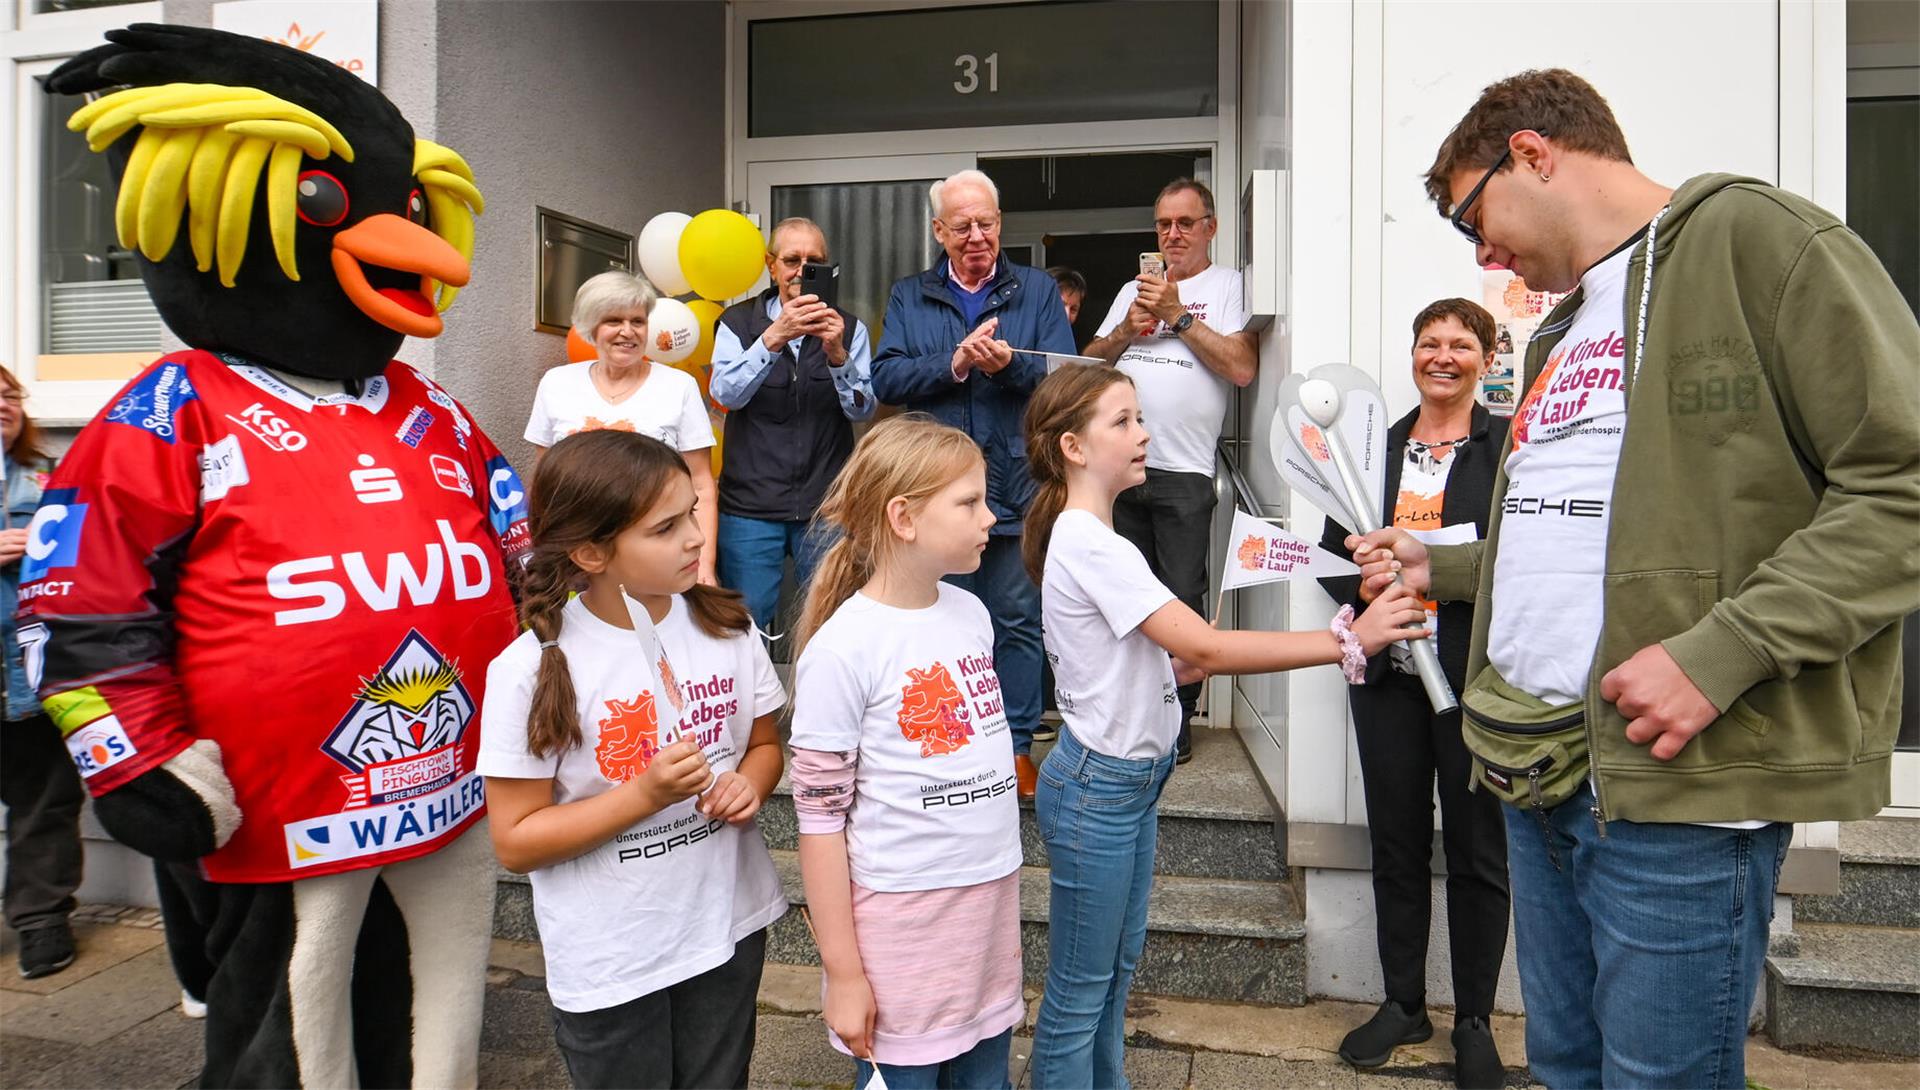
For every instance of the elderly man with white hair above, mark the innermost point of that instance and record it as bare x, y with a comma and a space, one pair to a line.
949, 348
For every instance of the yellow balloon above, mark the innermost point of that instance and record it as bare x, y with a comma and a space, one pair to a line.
718, 417
709, 315
721, 253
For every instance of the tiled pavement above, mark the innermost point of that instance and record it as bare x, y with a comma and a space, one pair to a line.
112, 1020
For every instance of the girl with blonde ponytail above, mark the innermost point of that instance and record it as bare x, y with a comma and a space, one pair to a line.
1119, 640
903, 769
626, 792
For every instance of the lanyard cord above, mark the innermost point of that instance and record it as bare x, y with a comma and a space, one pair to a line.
1646, 293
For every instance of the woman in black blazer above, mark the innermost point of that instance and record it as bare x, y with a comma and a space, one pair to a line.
1441, 462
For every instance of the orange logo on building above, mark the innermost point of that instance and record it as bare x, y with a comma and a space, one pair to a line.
629, 738
932, 711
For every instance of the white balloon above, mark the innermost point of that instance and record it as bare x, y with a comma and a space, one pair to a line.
673, 331
660, 252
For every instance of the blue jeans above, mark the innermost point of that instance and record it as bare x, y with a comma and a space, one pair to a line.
982, 1067
753, 554
1639, 952
1098, 817
1014, 603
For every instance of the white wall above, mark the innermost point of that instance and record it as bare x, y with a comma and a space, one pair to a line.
1751, 86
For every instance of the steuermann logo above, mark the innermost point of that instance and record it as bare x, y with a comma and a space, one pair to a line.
153, 403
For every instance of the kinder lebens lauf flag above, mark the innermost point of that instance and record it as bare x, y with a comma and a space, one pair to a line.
1260, 552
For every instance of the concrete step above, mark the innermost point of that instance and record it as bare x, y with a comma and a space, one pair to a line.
1848, 986
1207, 938
1215, 819
1879, 877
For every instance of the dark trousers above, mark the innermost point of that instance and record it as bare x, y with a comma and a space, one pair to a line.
1013, 601
188, 905
42, 793
1170, 519
697, 1033
1403, 747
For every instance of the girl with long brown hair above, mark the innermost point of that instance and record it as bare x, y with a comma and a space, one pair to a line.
629, 737
1119, 639
903, 771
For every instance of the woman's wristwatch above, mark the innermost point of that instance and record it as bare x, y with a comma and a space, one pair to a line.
1353, 657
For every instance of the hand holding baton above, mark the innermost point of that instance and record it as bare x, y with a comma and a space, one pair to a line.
1320, 400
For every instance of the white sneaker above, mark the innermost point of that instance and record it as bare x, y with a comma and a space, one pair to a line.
191, 1007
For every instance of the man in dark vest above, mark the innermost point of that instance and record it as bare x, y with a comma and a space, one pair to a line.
794, 374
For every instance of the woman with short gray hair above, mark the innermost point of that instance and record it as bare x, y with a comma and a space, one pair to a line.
621, 389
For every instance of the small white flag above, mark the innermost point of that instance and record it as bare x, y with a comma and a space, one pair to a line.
874, 1081
668, 703
1260, 552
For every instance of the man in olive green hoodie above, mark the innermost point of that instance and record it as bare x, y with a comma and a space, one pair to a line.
1703, 542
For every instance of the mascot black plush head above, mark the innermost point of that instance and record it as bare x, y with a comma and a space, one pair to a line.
361, 237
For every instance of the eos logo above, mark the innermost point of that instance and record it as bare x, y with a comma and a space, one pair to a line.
269, 428
374, 484
449, 561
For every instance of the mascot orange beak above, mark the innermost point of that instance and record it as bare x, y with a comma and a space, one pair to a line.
394, 242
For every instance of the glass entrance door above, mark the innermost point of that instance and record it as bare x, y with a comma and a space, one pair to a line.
872, 210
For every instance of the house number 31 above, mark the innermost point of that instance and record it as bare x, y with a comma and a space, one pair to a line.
970, 65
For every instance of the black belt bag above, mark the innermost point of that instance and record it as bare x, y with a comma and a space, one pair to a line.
1525, 751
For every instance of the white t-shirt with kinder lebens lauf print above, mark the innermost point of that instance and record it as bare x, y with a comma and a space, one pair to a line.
1114, 685
667, 406
1184, 402
667, 899
914, 692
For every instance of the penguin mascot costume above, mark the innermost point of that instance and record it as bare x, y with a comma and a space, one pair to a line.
263, 588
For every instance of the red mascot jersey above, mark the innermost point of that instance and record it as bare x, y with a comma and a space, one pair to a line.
316, 584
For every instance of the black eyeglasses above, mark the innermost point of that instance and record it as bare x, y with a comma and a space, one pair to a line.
1459, 216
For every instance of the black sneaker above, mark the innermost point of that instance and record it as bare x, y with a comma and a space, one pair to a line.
45, 951
1183, 746
1391, 1026
1476, 1062
1046, 732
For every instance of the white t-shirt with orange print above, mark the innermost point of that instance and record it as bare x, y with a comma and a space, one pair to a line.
1548, 573
667, 406
1417, 508
914, 693
667, 899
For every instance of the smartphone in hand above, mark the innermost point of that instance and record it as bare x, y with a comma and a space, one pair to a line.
822, 281
1153, 264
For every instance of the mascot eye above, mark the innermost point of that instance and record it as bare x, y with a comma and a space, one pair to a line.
322, 199
417, 207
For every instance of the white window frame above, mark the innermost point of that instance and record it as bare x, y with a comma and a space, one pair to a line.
1219, 133
32, 45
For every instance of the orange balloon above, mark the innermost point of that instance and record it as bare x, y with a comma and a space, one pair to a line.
578, 350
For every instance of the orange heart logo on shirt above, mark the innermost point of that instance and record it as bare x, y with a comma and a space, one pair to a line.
629, 738
932, 711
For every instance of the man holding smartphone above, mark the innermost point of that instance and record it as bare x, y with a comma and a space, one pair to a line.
1179, 331
794, 372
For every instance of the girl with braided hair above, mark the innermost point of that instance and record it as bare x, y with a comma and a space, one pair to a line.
625, 784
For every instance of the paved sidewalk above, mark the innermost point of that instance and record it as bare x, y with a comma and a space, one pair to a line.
112, 1019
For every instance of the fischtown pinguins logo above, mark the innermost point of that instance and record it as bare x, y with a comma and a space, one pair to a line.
402, 736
